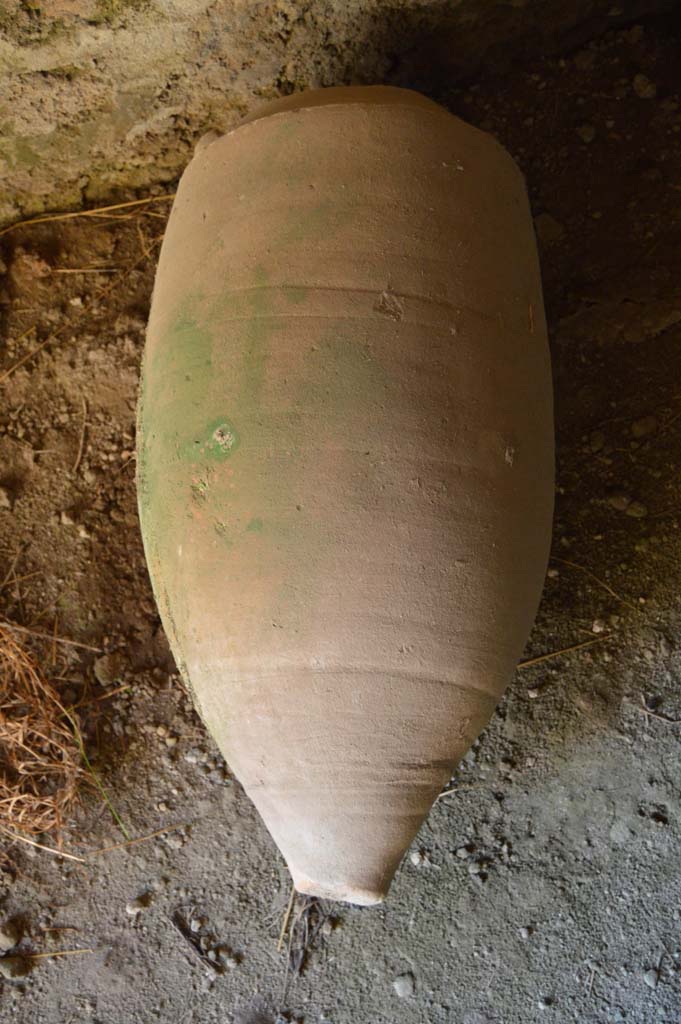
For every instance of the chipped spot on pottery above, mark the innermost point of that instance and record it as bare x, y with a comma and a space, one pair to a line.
220, 440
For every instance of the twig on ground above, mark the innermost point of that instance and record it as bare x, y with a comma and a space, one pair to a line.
645, 710
458, 789
86, 270
140, 839
287, 915
593, 576
97, 211
19, 579
10, 571
563, 650
40, 846
49, 636
58, 952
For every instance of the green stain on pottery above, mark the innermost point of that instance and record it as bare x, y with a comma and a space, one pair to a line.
255, 526
185, 354
171, 415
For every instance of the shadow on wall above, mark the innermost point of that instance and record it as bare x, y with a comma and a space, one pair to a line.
431, 48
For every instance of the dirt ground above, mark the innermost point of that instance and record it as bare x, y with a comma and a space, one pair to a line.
547, 885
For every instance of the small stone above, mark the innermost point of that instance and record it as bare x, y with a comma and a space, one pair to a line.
620, 502
14, 967
464, 852
4, 499
651, 978
171, 741
545, 1003
598, 626
646, 425
586, 132
404, 985
108, 668
533, 694
636, 510
136, 906
525, 932
161, 730
10, 935
548, 229
644, 88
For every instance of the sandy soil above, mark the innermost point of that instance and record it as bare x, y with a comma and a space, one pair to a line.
546, 886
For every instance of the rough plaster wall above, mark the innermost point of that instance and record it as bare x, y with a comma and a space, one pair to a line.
98, 96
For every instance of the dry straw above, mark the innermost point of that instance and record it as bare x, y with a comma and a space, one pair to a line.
40, 758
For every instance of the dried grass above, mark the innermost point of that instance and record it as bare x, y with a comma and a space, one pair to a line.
40, 758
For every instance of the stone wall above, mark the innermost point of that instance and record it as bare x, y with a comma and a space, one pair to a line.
101, 97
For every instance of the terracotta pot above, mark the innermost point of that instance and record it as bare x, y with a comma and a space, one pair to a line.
346, 461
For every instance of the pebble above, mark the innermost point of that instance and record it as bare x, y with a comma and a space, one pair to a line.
644, 88
548, 229
525, 933
620, 502
13, 967
636, 510
4, 499
586, 132
136, 906
598, 626
646, 425
10, 935
404, 985
108, 668
651, 978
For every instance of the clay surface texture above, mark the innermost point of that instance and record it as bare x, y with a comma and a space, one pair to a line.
346, 462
